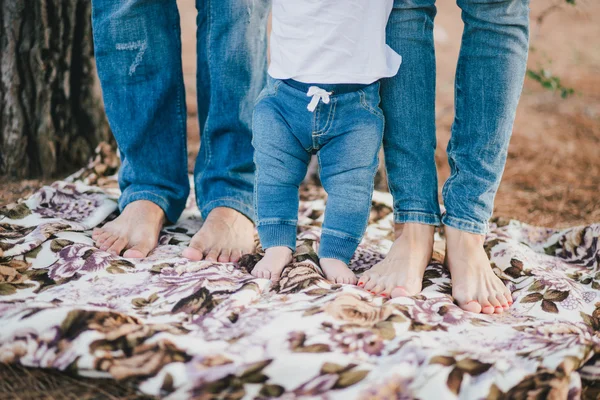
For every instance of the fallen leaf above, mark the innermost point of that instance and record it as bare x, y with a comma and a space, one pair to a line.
350, 378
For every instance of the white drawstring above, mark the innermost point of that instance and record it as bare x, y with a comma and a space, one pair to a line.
317, 95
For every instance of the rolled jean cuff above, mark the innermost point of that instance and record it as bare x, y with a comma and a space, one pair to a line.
337, 247
172, 212
478, 228
240, 206
417, 217
278, 234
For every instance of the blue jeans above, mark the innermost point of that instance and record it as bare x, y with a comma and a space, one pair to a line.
346, 135
138, 55
489, 80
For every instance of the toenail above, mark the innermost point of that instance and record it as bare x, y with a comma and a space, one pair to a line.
360, 284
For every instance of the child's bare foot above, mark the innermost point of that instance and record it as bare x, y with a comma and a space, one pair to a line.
273, 263
475, 286
337, 271
225, 236
136, 229
401, 272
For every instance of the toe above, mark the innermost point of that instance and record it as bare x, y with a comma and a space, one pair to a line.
508, 298
502, 300
118, 246
340, 280
399, 291
256, 272
137, 251
471, 306
390, 286
270, 275
225, 256
108, 242
213, 255
260, 273
486, 305
102, 238
236, 255
487, 309
380, 287
494, 301
364, 279
371, 283
498, 310
133, 253
96, 233
193, 253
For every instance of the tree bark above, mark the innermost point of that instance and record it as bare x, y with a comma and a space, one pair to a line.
51, 117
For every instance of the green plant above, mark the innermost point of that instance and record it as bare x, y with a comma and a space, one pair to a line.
550, 82
544, 75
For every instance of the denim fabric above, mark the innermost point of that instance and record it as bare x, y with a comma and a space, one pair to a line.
346, 135
489, 80
138, 55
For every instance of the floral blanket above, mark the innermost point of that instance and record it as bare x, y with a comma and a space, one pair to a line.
204, 330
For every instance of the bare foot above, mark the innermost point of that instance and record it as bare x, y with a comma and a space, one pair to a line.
401, 272
273, 263
475, 286
337, 271
136, 229
225, 236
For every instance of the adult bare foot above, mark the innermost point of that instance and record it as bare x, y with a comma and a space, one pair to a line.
401, 272
225, 236
273, 263
475, 286
136, 229
337, 271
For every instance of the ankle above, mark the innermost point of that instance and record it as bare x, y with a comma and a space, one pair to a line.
279, 252
332, 261
227, 214
147, 208
414, 232
458, 238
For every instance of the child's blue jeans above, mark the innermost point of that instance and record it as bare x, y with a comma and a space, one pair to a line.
346, 134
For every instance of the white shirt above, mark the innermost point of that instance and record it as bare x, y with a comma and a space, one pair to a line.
332, 41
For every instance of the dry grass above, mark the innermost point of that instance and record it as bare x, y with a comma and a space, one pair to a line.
18, 383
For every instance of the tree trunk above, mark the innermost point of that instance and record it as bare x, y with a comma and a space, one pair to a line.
51, 117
